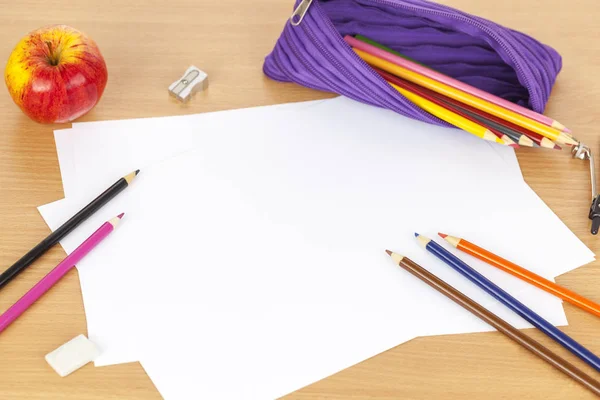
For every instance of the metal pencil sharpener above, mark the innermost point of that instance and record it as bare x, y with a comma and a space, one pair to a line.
192, 81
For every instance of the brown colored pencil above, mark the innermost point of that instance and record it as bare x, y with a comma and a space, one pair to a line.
502, 326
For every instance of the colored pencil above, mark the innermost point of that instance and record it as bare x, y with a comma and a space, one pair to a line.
509, 301
498, 130
521, 139
449, 116
466, 98
66, 228
516, 132
385, 48
524, 274
502, 326
535, 137
394, 57
436, 100
57, 273
507, 135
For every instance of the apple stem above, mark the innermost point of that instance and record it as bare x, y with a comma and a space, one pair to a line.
53, 57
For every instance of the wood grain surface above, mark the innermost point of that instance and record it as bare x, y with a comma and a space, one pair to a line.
147, 45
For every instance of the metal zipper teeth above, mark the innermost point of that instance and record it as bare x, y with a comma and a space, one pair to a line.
498, 38
424, 114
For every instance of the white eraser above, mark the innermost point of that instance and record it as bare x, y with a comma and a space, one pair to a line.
72, 355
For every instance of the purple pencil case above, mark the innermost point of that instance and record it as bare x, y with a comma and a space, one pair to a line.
311, 52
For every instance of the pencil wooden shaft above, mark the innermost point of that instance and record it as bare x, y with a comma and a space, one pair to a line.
382, 47
46, 283
513, 131
510, 301
61, 232
463, 97
502, 326
439, 109
496, 129
530, 277
436, 100
445, 114
385, 53
514, 135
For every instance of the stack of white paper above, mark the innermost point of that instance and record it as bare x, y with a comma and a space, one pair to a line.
251, 261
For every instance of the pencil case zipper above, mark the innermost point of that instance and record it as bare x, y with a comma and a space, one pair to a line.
523, 70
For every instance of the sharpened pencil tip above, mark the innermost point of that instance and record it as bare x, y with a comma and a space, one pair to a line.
417, 235
442, 235
129, 178
120, 216
397, 258
557, 147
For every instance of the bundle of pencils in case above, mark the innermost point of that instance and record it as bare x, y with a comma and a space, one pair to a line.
478, 112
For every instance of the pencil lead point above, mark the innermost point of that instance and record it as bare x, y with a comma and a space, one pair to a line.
442, 235
397, 258
137, 171
423, 240
557, 147
120, 216
416, 234
129, 178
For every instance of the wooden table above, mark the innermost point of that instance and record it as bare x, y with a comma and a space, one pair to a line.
148, 44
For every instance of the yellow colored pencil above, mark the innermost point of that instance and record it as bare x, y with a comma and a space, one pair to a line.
466, 98
449, 116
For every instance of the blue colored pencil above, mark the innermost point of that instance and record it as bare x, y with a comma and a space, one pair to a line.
509, 301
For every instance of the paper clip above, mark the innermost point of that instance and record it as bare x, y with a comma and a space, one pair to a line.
193, 80
583, 152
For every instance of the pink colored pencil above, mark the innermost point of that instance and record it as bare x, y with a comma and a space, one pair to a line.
375, 51
57, 273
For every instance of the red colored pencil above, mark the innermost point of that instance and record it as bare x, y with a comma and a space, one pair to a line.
419, 90
538, 139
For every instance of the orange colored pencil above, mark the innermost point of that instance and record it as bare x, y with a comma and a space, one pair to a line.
524, 274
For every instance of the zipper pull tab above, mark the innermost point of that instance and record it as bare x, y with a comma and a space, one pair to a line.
300, 12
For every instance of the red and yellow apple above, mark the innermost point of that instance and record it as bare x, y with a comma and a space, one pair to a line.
56, 74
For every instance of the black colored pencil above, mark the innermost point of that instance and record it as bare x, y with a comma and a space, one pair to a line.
66, 228
519, 138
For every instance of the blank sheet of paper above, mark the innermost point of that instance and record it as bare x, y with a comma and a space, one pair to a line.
277, 230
